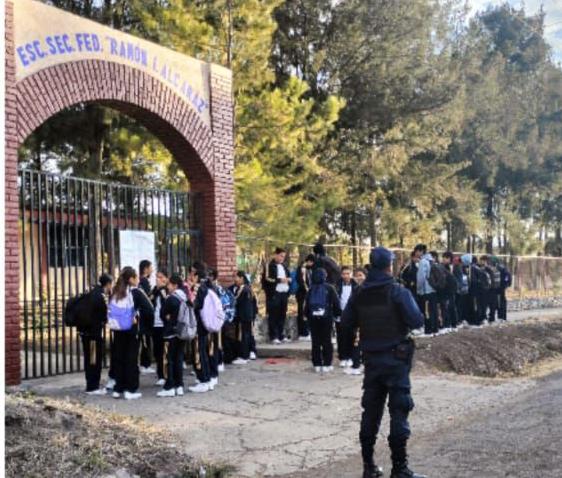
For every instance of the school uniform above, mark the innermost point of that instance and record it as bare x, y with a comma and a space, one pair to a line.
277, 298
344, 339
126, 344
158, 296
303, 282
200, 344
92, 339
146, 335
243, 319
321, 324
173, 346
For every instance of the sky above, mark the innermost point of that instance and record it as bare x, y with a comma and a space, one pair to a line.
553, 18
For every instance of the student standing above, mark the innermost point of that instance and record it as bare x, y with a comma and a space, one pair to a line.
360, 275
450, 292
215, 343
129, 308
427, 294
145, 271
243, 317
506, 281
322, 305
92, 335
278, 280
200, 345
173, 346
303, 280
324, 261
344, 288
158, 296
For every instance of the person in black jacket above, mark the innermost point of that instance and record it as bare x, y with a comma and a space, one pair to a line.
173, 346
92, 336
450, 318
277, 295
344, 288
126, 346
244, 316
200, 345
157, 297
322, 305
324, 261
385, 313
304, 272
145, 271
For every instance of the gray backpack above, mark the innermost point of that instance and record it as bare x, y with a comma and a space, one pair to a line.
186, 328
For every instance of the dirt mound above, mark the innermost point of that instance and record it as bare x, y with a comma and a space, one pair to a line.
506, 349
56, 438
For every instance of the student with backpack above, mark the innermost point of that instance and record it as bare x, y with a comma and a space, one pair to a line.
157, 297
94, 316
129, 311
427, 294
322, 305
145, 271
173, 345
460, 271
303, 285
202, 287
243, 317
451, 315
228, 303
506, 281
493, 294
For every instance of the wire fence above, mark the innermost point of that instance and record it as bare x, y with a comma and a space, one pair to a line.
533, 276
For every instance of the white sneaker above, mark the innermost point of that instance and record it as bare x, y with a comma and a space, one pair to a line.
318, 369
345, 363
329, 368
221, 368
199, 388
167, 393
286, 340
239, 361
147, 370
132, 395
184, 366
353, 371
334, 341
179, 391
253, 356
276, 342
100, 391
116, 395
305, 338
110, 385
160, 382
214, 381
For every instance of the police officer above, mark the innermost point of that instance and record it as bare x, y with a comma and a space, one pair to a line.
385, 312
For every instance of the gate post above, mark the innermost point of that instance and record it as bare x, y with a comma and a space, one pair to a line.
11, 211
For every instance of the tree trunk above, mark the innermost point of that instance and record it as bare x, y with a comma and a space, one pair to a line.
490, 223
354, 237
373, 226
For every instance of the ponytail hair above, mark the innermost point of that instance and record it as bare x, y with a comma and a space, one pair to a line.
120, 289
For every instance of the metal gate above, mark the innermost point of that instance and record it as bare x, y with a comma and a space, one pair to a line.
69, 235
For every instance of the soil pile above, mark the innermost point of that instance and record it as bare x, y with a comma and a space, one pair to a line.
46, 437
506, 349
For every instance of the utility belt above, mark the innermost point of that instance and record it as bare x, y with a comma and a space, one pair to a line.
405, 350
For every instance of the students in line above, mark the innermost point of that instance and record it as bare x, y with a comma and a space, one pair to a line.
129, 310
173, 346
92, 335
145, 271
158, 296
322, 305
245, 313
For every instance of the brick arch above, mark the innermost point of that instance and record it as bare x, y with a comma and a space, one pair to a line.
130, 91
205, 151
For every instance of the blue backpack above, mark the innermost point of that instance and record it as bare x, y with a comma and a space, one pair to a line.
228, 302
318, 300
293, 286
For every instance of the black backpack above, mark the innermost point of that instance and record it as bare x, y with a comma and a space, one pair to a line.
437, 277
78, 311
496, 277
483, 279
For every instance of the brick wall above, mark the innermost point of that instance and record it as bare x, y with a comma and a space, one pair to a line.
205, 153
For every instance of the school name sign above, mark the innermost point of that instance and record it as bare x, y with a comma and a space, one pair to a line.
45, 36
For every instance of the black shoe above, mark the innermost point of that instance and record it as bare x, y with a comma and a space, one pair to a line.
373, 471
404, 472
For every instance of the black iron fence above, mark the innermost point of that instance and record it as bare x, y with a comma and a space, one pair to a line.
69, 235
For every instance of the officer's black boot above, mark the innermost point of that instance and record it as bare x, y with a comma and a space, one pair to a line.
370, 470
400, 463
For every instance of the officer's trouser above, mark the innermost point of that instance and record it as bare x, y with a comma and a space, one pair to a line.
385, 376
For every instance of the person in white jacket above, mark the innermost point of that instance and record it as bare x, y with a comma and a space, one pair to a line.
427, 294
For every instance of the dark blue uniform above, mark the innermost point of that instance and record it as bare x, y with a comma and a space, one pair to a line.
385, 312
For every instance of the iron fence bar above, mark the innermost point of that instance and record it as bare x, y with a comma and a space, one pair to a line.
48, 246
24, 260
54, 228
63, 266
33, 296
